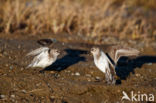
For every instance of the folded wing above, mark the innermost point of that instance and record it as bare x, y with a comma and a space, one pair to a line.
38, 58
37, 51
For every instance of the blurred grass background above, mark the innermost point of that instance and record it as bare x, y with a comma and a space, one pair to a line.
121, 18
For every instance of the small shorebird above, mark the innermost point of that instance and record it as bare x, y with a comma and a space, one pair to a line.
105, 63
44, 57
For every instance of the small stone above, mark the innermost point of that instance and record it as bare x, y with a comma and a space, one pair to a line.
137, 75
1, 54
22, 69
52, 96
2, 96
6, 65
118, 91
12, 96
24, 91
91, 72
5, 53
52, 72
56, 75
68, 71
48, 84
97, 78
38, 84
88, 80
88, 75
9, 57
77, 74
19, 46
11, 67
149, 64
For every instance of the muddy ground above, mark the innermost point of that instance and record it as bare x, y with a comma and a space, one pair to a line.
73, 78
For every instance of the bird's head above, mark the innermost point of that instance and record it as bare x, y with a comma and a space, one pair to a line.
95, 50
55, 52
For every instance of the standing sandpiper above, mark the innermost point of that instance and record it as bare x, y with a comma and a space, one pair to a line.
104, 63
44, 57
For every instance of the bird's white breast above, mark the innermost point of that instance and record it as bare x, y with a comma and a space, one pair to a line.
101, 62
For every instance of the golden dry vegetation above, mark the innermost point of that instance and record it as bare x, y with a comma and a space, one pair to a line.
88, 17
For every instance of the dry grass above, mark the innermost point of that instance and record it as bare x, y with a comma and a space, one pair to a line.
90, 17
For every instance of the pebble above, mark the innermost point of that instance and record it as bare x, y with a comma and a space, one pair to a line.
149, 64
72, 73
56, 75
1, 54
88, 79
77, 74
88, 75
38, 84
68, 71
24, 91
6, 65
118, 91
11, 67
19, 46
137, 75
22, 69
2, 96
12, 96
97, 78
5, 53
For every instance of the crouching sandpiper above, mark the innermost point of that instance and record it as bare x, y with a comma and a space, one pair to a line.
43, 57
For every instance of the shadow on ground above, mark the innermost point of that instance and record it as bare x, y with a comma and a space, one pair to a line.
125, 65
72, 57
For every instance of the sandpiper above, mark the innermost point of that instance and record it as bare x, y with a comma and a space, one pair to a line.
107, 64
44, 57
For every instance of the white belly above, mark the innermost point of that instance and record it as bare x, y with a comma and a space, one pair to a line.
44, 63
44, 60
102, 63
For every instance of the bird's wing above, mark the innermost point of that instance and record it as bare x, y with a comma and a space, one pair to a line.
112, 69
110, 61
38, 58
37, 51
34, 61
125, 52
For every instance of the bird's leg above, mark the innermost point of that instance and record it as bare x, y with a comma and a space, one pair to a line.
109, 77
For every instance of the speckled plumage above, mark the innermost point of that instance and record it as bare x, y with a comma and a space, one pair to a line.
44, 57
